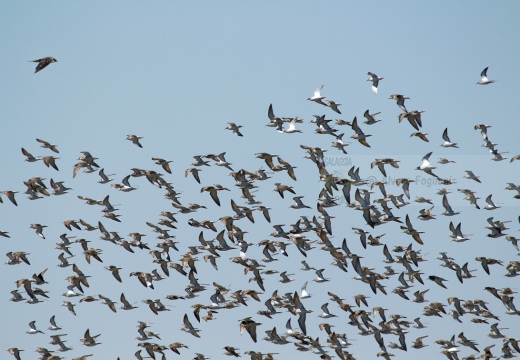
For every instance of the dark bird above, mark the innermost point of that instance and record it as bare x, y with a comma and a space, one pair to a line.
249, 325
400, 100
43, 63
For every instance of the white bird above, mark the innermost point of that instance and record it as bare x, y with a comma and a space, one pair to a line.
32, 329
70, 291
304, 293
375, 81
447, 142
485, 80
317, 96
426, 166
291, 129
288, 327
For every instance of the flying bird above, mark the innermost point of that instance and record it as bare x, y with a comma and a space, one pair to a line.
316, 97
449, 211
420, 135
359, 134
164, 163
274, 121
471, 176
438, 280
32, 329
39, 229
484, 79
29, 156
188, 327
10, 196
43, 63
134, 139
50, 161
375, 81
371, 118
291, 129
234, 128
413, 117
250, 326
447, 142
333, 105
426, 166
89, 340
15, 352
47, 145
400, 101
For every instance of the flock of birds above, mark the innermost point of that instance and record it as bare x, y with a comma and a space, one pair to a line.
176, 260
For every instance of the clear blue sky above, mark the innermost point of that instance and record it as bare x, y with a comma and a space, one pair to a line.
175, 73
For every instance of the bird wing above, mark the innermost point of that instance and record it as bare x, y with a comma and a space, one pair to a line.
270, 113
445, 135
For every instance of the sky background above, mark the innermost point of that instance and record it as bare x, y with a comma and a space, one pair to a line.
175, 73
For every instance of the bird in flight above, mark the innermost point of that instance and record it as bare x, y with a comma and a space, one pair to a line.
375, 81
43, 63
316, 97
485, 80
134, 139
